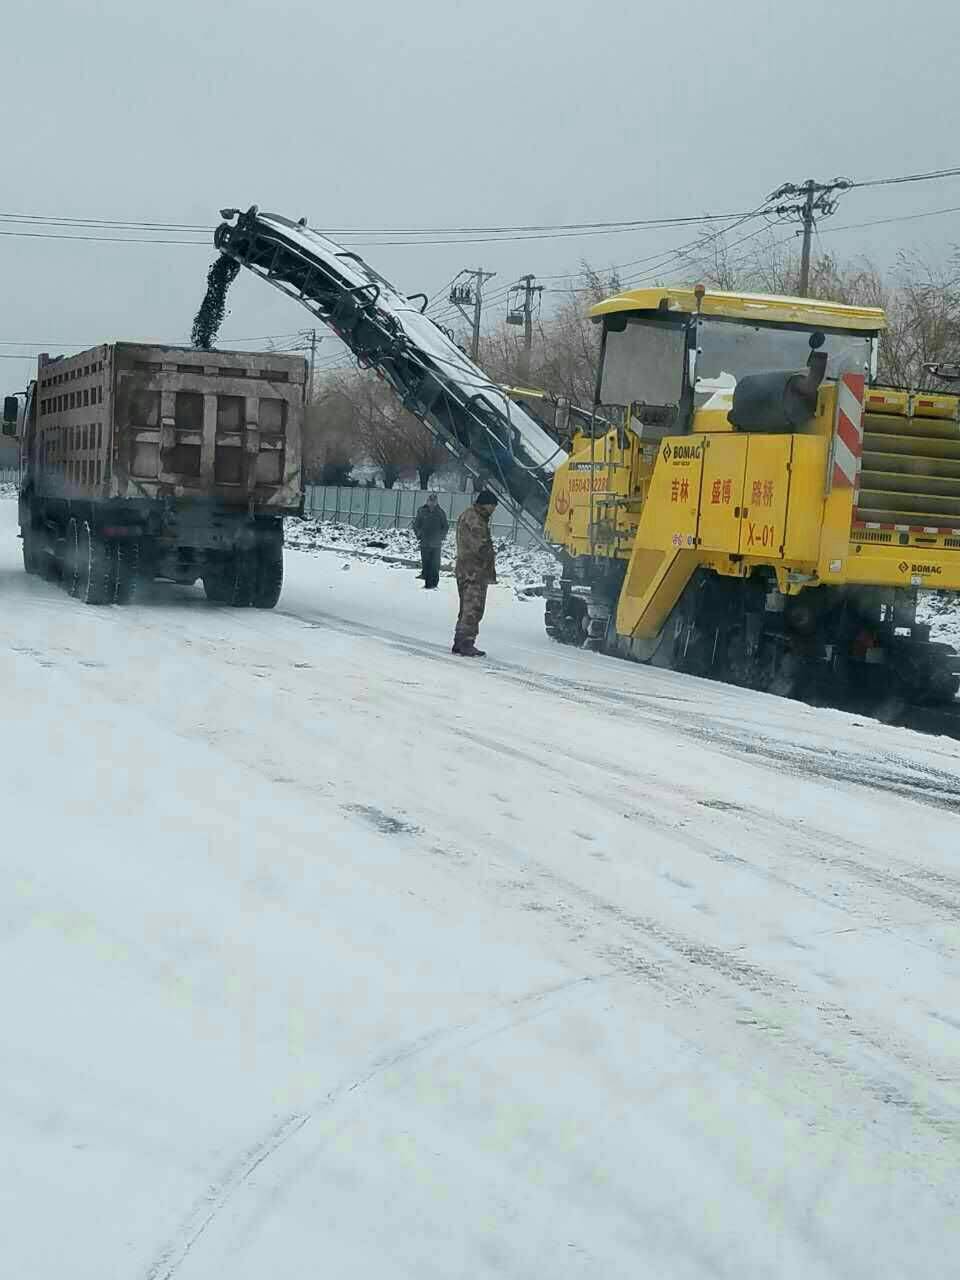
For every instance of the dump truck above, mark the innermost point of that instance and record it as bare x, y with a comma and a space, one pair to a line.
142, 462
745, 503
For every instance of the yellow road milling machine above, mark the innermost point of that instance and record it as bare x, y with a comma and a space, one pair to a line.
744, 502
763, 512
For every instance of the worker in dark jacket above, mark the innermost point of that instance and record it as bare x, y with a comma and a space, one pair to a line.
430, 525
476, 570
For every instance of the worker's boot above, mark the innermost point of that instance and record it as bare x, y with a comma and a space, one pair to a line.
467, 649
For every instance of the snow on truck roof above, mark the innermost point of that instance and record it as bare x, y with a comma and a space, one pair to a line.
745, 306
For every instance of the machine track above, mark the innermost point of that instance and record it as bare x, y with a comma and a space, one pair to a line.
917, 688
943, 722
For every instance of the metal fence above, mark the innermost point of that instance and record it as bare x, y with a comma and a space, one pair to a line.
378, 508
395, 508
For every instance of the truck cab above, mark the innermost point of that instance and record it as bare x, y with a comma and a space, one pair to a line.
671, 359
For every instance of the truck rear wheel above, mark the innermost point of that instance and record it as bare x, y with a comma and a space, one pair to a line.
124, 557
241, 577
94, 577
32, 550
232, 582
268, 581
70, 576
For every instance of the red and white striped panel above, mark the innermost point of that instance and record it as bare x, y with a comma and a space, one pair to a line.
848, 432
860, 523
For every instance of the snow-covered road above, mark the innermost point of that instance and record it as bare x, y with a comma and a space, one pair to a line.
327, 953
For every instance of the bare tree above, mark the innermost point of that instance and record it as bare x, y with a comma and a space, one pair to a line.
331, 445
424, 451
921, 302
566, 345
362, 421
375, 414
923, 317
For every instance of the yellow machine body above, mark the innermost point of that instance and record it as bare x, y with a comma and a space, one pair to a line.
729, 501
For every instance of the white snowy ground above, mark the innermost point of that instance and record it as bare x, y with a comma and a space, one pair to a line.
519, 567
326, 953
523, 567
943, 615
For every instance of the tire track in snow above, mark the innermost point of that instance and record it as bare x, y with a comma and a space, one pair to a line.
811, 843
219, 1194
705, 963
457, 1038
723, 964
890, 773
710, 963
215, 1198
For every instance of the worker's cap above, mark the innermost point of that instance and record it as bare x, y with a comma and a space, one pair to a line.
486, 498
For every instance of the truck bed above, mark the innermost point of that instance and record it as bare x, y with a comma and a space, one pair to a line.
140, 421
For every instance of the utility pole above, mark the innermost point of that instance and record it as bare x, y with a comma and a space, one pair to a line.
524, 316
816, 200
808, 225
313, 362
463, 295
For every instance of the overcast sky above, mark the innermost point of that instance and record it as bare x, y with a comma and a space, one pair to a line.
383, 114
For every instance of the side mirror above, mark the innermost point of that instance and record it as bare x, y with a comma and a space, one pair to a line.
11, 406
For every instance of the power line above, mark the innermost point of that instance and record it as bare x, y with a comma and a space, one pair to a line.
496, 299
663, 256
821, 231
703, 242
529, 227
879, 222
439, 235
115, 223
136, 225
515, 239
56, 235
366, 244
629, 223
51, 345
909, 177
518, 230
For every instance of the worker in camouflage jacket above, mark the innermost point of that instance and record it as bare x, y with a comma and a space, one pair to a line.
430, 524
476, 570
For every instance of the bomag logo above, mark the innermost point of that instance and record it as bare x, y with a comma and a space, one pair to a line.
922, 569
682, 452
